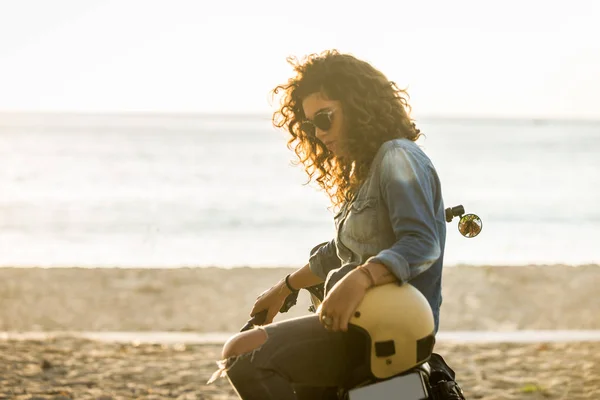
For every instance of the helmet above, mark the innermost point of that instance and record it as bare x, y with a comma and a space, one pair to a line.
398, 323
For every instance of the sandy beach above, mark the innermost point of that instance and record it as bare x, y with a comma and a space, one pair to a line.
218, 300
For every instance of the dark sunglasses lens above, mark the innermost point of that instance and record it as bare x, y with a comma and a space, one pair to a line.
308, 128
323, 121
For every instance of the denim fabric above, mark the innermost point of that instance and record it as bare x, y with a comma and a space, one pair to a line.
299, 360
397, 219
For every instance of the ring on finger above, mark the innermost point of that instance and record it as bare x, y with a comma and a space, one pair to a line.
326, 320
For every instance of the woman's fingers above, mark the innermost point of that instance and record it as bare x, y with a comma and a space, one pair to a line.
335, 326
271, 315
342, 301
262, 302
329, 319
339, 315
323, 316
258, 307
344, 320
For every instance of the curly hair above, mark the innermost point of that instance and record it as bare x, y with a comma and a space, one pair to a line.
375, 111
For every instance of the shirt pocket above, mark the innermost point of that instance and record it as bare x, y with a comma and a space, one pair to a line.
361, 224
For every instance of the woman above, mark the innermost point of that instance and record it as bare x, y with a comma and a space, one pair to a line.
351, 130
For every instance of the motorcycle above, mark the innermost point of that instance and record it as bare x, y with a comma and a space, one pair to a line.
431, 380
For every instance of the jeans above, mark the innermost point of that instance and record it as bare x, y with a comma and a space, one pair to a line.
299, 360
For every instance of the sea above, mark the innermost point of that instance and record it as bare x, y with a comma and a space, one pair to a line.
187, 190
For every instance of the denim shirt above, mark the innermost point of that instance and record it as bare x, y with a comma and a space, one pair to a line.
396, 219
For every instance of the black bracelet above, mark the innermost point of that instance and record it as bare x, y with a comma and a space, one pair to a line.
287, 283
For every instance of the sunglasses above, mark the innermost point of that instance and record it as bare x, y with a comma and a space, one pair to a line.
322, 120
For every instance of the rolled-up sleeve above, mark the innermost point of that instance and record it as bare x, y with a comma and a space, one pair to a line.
407, 184
323, 258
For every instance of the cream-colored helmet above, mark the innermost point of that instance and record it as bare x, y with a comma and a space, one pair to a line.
398, 322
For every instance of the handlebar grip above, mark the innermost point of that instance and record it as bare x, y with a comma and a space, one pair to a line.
258, 319
452, 212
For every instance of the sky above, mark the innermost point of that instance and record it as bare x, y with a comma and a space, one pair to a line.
514, 58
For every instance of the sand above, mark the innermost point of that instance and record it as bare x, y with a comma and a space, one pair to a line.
82, 369
212, 299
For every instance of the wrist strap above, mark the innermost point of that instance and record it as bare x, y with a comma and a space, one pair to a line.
287, 283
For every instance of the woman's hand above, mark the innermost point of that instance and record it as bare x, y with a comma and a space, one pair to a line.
272, 300
343, 299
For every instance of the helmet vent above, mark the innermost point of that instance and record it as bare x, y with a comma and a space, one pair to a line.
425, 348
385, 349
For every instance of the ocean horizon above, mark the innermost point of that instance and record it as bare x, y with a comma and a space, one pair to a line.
175, 190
